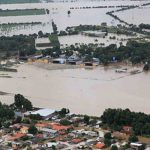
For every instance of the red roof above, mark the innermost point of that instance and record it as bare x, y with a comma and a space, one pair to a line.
42, 124
76, 141
99, 145
16, 136
59, 127
127, 129
39, 135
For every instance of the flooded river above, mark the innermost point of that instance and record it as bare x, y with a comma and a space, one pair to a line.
81, 90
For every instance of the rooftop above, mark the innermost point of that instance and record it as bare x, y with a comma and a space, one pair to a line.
42, 40
43, 112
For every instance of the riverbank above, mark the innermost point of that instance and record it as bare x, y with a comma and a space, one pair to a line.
117, 65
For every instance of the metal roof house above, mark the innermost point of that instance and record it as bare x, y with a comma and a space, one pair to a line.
44, 113
94, 33
94, 62
74, 60
59, 61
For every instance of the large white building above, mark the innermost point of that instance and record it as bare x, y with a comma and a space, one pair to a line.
45, 113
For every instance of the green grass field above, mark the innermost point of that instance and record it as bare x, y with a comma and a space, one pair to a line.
18, 1
22, 12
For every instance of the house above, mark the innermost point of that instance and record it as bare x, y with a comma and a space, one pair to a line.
52, 132
61, 146
16, 136
34, 58
60, 128
59, 61
127, 129
136, 146
4, 147
101, 134
76, 119
91, 142
74, 60
94, 62
98, 33
41, 125
51, 144
16, 126
76, 140
99, 145
24, 130
39, 59
45, 113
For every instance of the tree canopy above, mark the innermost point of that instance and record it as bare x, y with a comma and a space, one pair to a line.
22, 103
119, 117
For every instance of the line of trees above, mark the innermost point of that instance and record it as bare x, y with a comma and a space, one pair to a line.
116, 118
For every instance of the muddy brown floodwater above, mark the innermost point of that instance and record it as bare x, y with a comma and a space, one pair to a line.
81, 90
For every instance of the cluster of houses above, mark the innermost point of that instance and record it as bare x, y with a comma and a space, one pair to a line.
72, 60
52, 134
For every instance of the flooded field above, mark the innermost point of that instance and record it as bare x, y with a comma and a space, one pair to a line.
24, 29
81, 90
58, 13
135, 16
82, 39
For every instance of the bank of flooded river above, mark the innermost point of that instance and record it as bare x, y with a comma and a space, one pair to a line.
81, 90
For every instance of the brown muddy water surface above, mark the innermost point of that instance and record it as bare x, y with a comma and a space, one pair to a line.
86, 91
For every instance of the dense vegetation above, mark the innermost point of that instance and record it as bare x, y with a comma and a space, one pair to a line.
134, 51
116, 118
10, 46
21, 103
6, 113
54, 40
144, 26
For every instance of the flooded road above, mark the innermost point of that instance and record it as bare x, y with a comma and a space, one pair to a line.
82, 91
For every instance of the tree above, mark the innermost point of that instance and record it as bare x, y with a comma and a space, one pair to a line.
114, 147
65, 122
40, 34
107, 135
53, 147
69, 12
35, 116
146, 67
47, 11
18, 101
86, 119
133, 138
107, 142
22, 103
27, 105
32, 130
63, 112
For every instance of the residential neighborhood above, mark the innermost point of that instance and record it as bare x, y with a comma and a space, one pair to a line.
49, 129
